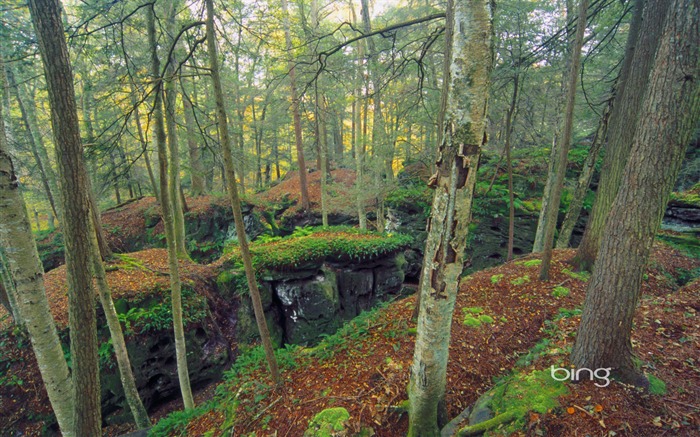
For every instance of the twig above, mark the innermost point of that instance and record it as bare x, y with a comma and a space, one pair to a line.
255, 419
684, 404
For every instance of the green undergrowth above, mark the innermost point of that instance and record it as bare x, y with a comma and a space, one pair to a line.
309, 245
328, 422
243, 391
515, 396
690, 197
524, 390
475, 317
154, 313
688, 244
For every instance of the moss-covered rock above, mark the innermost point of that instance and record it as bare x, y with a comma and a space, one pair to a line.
331, 422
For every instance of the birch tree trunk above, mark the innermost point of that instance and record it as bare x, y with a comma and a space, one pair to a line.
233, 195
29, 296
467, 69
166, 208
74, 187
668, 116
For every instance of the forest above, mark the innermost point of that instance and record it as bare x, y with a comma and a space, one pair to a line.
350, 218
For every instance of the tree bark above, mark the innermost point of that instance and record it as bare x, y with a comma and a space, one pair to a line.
305, 203
623, 121
358, 137
196, 166
173, 143
33, 138
467, 69
24, 291
584, 180
669, 113
31, 308
233, 195
166, 208
509, 133
553, 206
74, 187
138, 411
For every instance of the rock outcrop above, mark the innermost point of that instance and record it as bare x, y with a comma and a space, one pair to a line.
317, 298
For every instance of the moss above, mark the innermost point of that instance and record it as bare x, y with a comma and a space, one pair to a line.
656, 386
496, 278
520, 280
688, 244
328, 423
486, 319
473, 310
313, 245
471, 321
530, 262
581, 276
515, 396
560, 291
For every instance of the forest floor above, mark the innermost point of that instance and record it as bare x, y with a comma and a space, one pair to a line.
365, 367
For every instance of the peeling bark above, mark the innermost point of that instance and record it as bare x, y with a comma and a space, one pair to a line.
468, 64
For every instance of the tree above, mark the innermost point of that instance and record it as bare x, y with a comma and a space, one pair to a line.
584, 180
467, 68
668, 115
560, 169
46, 18
25, 273
233, 195
166, 206
138, 411
170, 90
623, 122
305, 203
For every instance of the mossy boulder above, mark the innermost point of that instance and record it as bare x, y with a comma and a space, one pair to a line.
331, 422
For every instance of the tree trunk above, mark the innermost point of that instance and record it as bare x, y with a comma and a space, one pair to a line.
542, 222
74, 187
131, 394
538, 244
33, 138
105, 251
144, 149
379, 146
196, 166
584, 180
358, 137
669, 113
323, 148
30, 307
173, 144
166, 208
553, 206
233, 196
467, 69
305, 203
509, 133
623, 121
